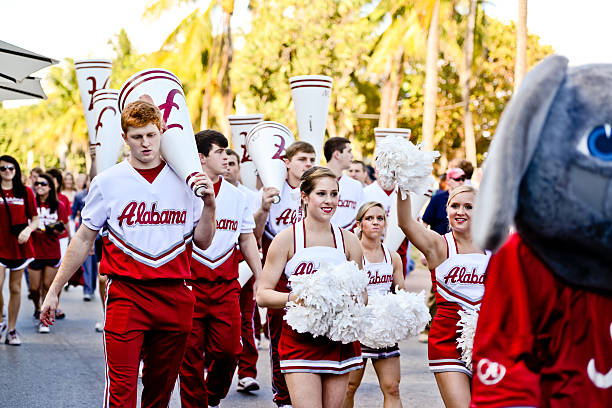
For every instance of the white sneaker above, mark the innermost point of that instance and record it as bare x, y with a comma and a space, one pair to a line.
140, 366
247, 384
3, 331
99, 327
285, 406
13, 339
43, 329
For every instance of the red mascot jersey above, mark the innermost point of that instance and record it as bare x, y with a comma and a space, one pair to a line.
540, 342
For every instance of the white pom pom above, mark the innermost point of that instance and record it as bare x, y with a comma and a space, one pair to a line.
331, 302
394, 317
399, 161
465, 342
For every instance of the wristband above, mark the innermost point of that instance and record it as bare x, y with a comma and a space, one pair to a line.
288, 295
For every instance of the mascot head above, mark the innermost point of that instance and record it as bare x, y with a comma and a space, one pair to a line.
549, 171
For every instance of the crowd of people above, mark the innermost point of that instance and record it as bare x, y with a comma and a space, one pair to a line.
169, 265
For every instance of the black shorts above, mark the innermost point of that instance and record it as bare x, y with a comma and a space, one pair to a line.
40, 264
98, 248
14, 264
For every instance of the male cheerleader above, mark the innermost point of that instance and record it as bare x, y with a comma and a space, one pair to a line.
299, 157
148, 217
247, 363
339, 156
216, 318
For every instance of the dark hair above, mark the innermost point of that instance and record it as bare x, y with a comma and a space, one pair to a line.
371, 172
37, 170
467, 168
298, 147
206, 138
443, 177
57, 174
233, 153
310, 177
19, 190
334, 144
52, 197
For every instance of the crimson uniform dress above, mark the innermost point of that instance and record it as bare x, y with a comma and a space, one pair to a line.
380, 276
285, 213
302, 352
12, 254
374, 192
147, 219
47, 245
458, 283
540, 342
216, 317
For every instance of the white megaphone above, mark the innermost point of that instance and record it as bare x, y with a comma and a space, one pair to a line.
240, 126
381, 133
310, 94
266, 143
178, 146
91, 75
108, 141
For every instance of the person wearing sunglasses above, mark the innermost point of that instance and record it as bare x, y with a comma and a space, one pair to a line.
18, 219
53, 216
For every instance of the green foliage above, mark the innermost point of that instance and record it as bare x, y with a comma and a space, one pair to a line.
345, 39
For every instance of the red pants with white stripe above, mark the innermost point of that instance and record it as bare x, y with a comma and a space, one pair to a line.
216, 334
247, 364
148, 318
275, 328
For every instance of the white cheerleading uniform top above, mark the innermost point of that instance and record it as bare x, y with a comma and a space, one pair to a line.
374, 192
146, 227
460, 278
253, 199
286, 212
234, 217
350, 198
379, 273
307, 260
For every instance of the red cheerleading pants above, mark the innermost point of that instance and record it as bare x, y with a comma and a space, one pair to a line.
247, 364
151, 319
215, 336
275, 328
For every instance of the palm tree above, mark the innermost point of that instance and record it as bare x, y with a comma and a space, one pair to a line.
465, 79
521, 44
431, 78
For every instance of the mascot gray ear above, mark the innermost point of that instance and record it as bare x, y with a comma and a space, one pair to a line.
516, 139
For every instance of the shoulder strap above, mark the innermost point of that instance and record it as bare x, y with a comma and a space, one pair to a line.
451, 245
299, 236
386, 254
338, 238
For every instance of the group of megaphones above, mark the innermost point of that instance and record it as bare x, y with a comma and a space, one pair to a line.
259, 144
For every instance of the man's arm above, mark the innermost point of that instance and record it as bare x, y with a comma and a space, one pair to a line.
205, 229
261, 215
248, 247
77, 252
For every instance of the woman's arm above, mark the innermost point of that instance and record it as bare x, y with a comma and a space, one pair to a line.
276, 259
398, 271
429, 242
25, 234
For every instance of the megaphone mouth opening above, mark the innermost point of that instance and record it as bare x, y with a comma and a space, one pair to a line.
137, 79
264, 125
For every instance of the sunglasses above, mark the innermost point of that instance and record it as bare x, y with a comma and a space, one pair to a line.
41, 183
5, 168
459, 178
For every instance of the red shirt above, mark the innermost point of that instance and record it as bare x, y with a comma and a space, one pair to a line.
151, 174
46, 246
64, 200
539, 341
9, 248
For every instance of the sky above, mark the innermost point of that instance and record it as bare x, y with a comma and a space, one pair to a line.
82, 28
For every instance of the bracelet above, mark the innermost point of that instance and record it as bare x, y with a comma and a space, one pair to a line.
288, 295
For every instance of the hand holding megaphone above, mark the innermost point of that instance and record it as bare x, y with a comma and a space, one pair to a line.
270, 195
203, 187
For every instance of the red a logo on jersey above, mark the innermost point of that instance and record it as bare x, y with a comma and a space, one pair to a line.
287, 217
167, 106
347, 203
137, 214
305, 268
459, 274
376, 279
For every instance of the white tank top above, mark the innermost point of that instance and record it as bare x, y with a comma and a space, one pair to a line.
380, 273
460, 278
309, 260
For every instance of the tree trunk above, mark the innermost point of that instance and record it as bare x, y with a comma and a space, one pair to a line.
466, 77
521, 44
224, 72
385, 99
396, 83
431, 79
